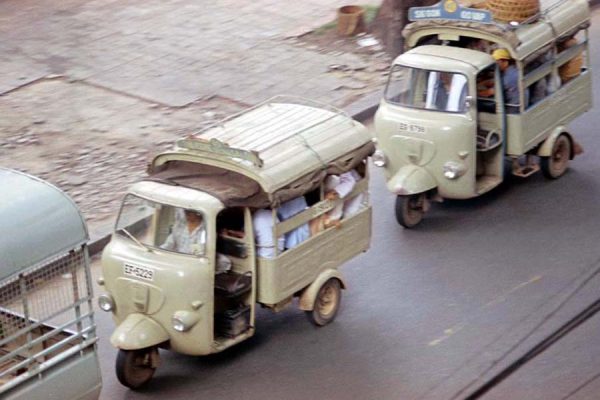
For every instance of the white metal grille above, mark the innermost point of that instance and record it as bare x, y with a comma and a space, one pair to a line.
45, 311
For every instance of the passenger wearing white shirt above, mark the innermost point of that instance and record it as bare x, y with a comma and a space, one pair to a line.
339, 187
263, 221
288, 210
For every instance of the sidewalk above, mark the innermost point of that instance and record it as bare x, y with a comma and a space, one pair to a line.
173, 53
91, 89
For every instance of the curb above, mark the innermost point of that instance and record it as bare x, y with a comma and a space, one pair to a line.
95, 245
361, 110
364, 108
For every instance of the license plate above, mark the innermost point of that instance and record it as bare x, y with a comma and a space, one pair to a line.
138, 272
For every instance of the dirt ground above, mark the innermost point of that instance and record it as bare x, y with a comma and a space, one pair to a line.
92, 143
372, 73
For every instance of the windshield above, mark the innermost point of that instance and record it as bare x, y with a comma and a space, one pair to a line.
427, 90
162, 226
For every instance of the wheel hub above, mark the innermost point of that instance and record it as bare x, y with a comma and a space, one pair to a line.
327, 301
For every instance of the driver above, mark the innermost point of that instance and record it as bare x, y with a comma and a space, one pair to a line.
189, 236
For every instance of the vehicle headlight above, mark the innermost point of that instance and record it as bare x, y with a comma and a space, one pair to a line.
454, 170
379, 158
184, 320
106, 302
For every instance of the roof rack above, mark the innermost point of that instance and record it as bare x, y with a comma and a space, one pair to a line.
257, 134
280, 99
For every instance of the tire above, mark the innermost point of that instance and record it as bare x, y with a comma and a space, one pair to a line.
327, 303
135, 368
410, 210
556, 165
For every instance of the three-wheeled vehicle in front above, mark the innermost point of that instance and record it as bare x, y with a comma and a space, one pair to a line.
47, 330
254, 162
438, 134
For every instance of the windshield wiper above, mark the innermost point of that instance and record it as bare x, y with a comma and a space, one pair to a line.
142, 245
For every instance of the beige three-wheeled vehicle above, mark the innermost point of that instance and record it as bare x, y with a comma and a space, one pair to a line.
205, 301
438, 134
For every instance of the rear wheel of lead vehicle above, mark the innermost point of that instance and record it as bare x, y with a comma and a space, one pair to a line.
556, 165
327, 303
410, 210
136, 367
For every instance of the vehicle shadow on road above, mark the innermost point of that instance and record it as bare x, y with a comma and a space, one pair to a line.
451, 214
271, 329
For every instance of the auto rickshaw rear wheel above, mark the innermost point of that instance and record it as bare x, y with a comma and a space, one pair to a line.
556, 165
136, 367
410, 209
327, 303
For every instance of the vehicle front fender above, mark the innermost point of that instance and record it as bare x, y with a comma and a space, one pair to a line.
545, 149
411, 179
307, 299
138, 331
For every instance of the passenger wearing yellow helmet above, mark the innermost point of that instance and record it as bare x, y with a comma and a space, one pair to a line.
510, 80
501, 54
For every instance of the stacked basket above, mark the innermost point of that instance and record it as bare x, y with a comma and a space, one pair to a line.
513, 10
572, 69
481, 4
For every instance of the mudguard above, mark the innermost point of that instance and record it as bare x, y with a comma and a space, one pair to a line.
545, 149
307, 299
411, 179
138, 331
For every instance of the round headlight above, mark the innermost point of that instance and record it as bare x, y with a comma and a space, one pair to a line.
184, 320
450, 174
178, 324
454, 170
106, 302
379, 158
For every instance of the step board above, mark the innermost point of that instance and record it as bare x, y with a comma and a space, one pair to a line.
486, 183
524, 171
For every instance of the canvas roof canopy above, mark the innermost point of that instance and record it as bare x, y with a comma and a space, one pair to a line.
271, 153
557, 20
37, 221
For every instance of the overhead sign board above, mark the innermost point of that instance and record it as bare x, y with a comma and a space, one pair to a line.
450, 10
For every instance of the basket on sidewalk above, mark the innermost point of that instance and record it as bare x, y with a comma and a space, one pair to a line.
351, 20
514, 10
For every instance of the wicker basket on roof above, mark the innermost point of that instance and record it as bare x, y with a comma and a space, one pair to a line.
514, 10
481, 4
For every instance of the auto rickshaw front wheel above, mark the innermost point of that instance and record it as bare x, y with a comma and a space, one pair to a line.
556, 165
410, 209
136, 367
327, 303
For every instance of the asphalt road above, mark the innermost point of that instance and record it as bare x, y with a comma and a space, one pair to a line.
432, 313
